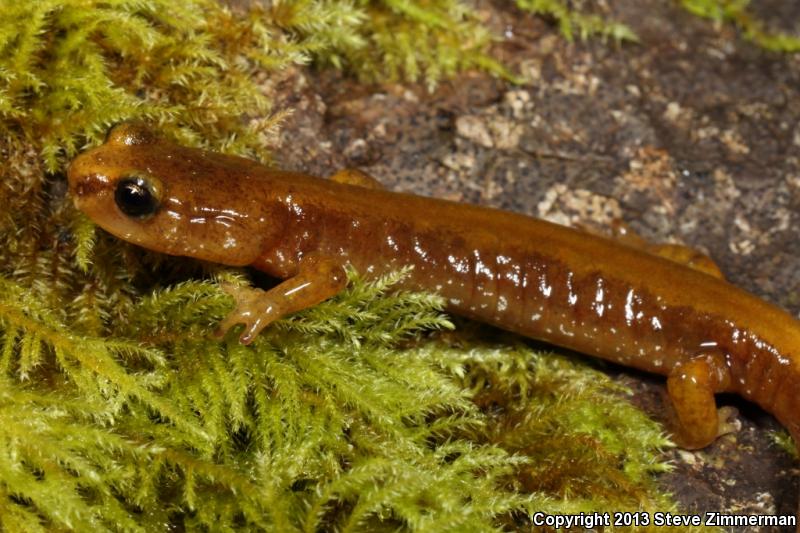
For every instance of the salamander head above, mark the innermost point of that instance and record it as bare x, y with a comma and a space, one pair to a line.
168, 198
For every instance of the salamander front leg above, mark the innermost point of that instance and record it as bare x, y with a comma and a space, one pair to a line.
688, 256
691, 387
317, 280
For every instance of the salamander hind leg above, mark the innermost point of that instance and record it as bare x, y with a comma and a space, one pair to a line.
678, 253
691, 387
353, 176
688, 256
316, 281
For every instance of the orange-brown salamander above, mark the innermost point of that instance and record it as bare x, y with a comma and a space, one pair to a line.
599, 296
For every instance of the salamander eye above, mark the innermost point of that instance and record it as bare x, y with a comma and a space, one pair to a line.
136, 197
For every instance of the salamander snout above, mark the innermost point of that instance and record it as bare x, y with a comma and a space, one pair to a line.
84, 179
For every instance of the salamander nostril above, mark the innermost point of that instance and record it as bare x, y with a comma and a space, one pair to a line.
86, 185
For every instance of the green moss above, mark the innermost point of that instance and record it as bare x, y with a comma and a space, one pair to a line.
571, 20
736, 12
71, 69
322, 422
784, 441
393, 40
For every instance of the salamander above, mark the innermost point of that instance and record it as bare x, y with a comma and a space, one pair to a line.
657, 309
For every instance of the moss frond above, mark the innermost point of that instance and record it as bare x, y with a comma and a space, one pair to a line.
84, 231
572, 21
374, 319
736, 12
783, 440
35, 341
391, 39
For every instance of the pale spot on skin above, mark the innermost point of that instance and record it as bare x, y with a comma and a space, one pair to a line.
546, 290
629, 307
572, 299
502, 304
460, 265
421, 252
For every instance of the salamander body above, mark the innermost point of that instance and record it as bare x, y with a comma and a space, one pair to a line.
592, 294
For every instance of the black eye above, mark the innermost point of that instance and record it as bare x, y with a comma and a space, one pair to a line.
135, 197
